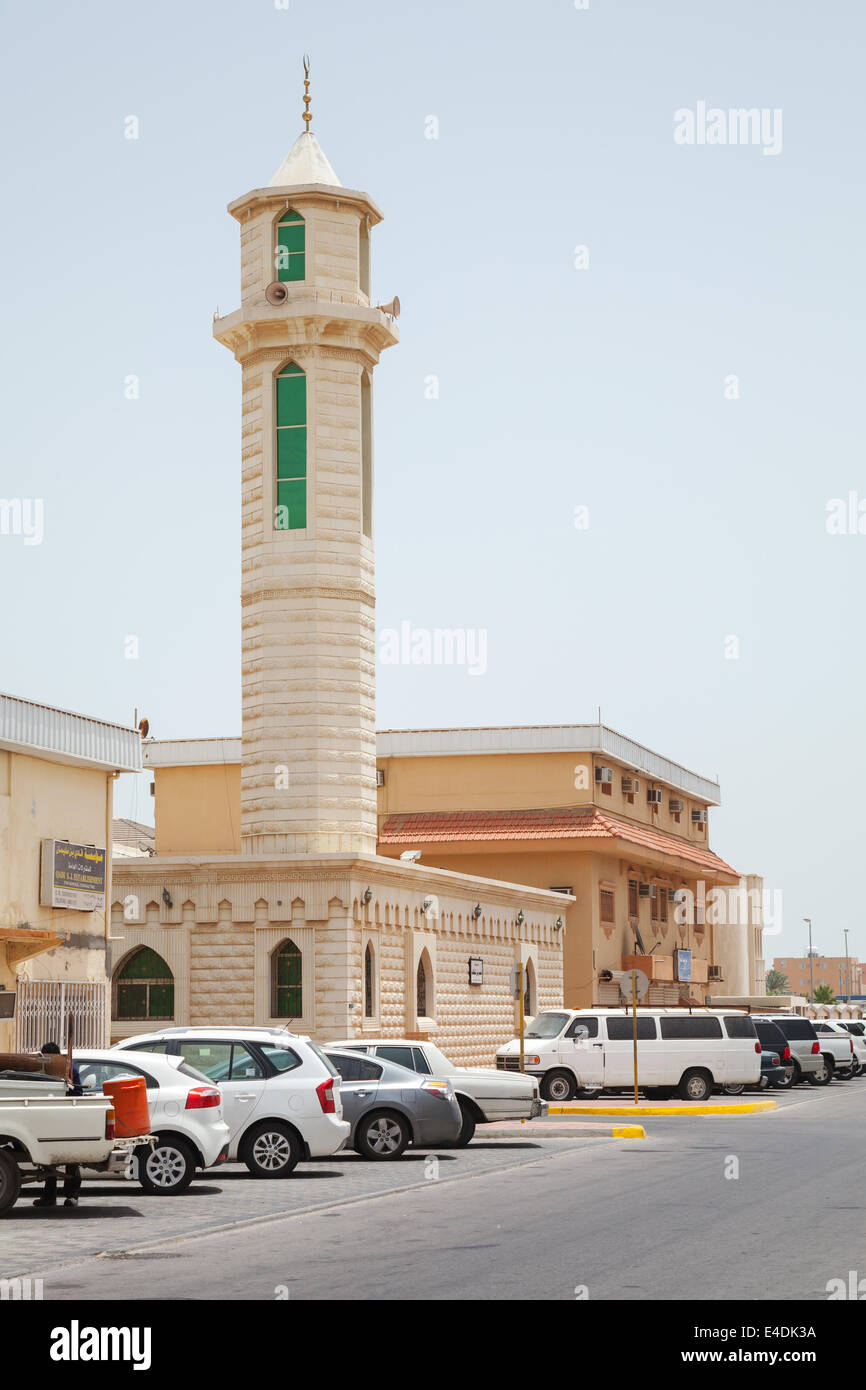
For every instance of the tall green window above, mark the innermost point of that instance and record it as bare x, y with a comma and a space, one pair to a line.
286, 995
144, 987
291, 449
290, 254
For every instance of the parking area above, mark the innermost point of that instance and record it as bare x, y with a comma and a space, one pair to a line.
116, 1217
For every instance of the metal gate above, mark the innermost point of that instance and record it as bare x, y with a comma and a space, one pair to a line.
43, 1007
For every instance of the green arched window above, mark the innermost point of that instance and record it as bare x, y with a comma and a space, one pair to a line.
291, 448
143, 987
290, 254
286, 992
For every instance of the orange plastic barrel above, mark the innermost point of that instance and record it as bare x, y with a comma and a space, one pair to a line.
129, 1098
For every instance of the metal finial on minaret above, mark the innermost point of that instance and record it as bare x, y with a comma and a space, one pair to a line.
307, 116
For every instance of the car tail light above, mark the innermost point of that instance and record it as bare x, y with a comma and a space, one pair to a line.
757, 1047
786, 1055
202, 1098
325, 1092
109, 1123
437, 1088
816, 1048
851, 1041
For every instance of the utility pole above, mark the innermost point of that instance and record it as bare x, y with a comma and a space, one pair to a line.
847, 963
808, 921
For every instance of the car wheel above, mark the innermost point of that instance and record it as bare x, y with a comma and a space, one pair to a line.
381, 1135
734, 1090
10, 1182
844, 1075
825, 1075
558, 1086
270, 1150
789, 1079
467, 1129
695, 1085
166, 1169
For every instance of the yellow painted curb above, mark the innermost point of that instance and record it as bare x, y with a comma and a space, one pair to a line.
750, 1109
628, 1132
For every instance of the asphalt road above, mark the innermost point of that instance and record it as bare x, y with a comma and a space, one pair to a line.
757, 1207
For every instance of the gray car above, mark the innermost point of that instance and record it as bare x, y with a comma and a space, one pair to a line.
390, 1107
806, 1063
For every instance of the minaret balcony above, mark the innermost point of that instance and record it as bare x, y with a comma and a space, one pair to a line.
318, 319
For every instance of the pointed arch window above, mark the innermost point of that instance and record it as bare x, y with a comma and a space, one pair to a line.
424, 988
143, 987
291, 250
286, 990
369, 981
291, 448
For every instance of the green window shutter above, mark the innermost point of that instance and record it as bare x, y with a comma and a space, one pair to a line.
291, 400
291, 248
291, 453
291, 449
293, 496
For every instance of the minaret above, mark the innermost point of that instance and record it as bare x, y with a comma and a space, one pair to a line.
307, 339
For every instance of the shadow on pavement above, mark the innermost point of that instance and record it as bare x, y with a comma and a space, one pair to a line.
61, 1213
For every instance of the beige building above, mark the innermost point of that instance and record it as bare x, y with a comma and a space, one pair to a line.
57, 773
579, 810
844, 976
266, 900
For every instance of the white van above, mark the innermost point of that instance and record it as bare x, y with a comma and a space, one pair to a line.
589, 1050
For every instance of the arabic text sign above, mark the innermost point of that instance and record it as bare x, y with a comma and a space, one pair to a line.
73, 876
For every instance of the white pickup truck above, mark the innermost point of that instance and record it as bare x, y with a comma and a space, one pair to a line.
42, 1132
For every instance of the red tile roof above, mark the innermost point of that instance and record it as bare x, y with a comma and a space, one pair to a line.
558, 823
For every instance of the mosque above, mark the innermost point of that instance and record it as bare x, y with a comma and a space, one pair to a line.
298, 919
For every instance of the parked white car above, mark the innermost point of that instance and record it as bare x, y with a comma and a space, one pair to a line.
589, 1050
281, 1095
484, 1095
185, 1115
839, 1048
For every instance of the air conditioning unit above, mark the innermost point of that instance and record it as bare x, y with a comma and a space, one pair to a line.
714, 972
380, 777
647, 890
630, 785
604, 774
654, 796
672, 895
699, 817
675, 805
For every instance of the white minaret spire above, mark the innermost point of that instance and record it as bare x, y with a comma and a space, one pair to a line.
307, 350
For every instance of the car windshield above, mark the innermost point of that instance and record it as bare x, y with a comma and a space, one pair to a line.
546, 1025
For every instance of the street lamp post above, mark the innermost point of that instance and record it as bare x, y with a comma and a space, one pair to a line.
808, 921
847, 963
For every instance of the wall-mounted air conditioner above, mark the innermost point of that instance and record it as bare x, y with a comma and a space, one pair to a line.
380, 776
714, 972
654, 796
699, 817
630, 785
675, 805
604, 774
647, 890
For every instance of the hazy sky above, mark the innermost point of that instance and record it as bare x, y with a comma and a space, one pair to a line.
705, 606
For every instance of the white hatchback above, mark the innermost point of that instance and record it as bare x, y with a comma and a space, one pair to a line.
185, 1115
281, 1095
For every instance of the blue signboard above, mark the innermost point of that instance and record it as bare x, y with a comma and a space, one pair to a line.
684, 965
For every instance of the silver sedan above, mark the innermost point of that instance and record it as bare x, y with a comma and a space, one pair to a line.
390, 1107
